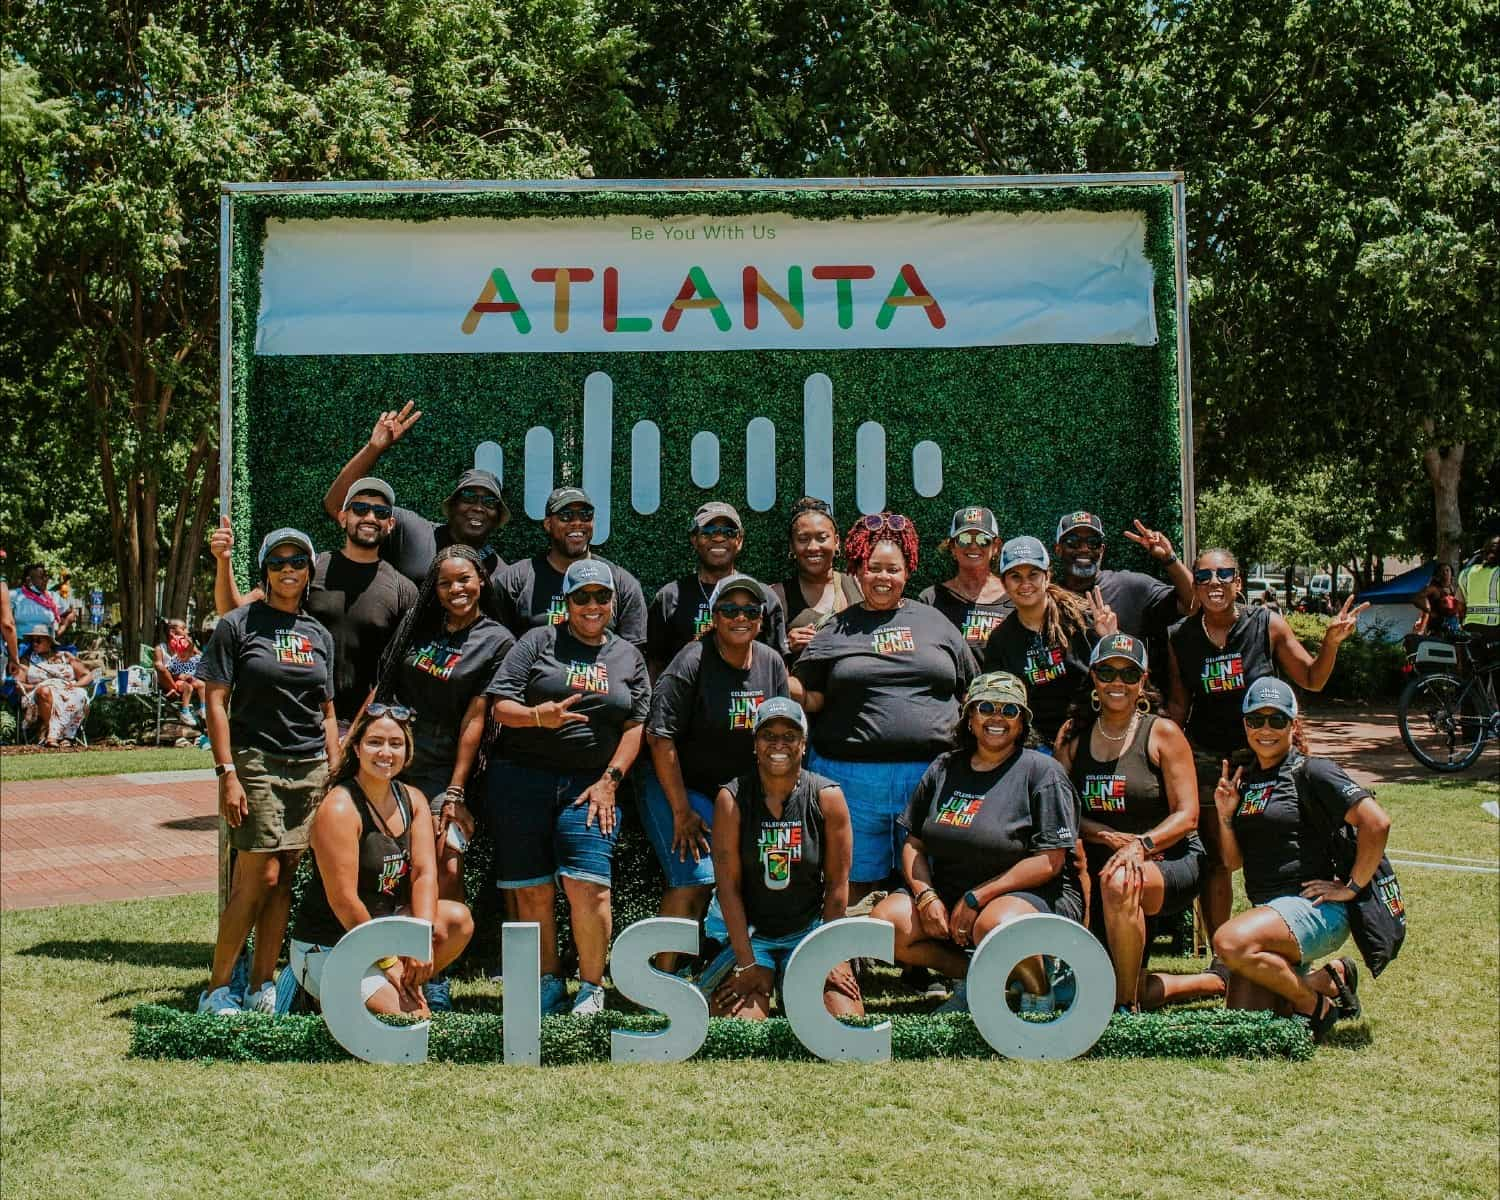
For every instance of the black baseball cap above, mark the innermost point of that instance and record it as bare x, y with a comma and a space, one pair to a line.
982, 520
476, 477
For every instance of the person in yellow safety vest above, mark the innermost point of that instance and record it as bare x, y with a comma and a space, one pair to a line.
1479, 593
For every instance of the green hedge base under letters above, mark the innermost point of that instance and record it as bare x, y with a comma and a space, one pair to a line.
162, 1032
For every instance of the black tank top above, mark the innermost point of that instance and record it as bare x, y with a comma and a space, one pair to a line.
384, 873
781, 858
1216, 679
800, 613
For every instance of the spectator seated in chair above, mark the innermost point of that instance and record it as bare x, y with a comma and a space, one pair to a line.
54, 689
176, 661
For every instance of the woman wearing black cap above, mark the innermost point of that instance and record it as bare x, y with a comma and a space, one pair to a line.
973, 598
1134, 773
268, 669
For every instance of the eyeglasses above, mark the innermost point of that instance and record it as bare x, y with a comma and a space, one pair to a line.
1083, 541
574, 516
592, 596
971, 538
1127, 675
789, 737
397, 712
1276, 720
723, 531
363, 508
297, 562
1203, 575
875, 522
478, 496
988, 708
753, 611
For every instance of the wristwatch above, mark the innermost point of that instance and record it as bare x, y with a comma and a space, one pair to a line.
615, 774
1356, 888
223, 769
972, 901
1148, 843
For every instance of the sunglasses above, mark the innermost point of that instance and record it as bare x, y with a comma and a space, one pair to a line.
397, 712
717, 531
788, 737
970, 538
875, 522
1275, 720
363, 508
1209, 574
592, 596
298, 562
1105, 674
574, 516
1080, 541
988, 708
478, 496
753, 611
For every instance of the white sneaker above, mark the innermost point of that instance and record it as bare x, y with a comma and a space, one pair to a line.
1041, 1006
220, 1002
590, 1000
262, 999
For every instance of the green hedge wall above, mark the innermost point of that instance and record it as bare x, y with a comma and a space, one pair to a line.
1032, 431
169, 1033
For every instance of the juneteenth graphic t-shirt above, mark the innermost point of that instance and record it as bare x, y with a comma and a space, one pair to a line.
679, 613
440, 675
279, 667
360, 604
781, 858
1053, 674
892, 682
1216, 678
975, 825
975, 621
549, 663
531, 596
707, 708
1282, 848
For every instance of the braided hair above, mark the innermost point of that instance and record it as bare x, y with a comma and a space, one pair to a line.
425, 618
860, 542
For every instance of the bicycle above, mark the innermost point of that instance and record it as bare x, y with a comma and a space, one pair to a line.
1447, 715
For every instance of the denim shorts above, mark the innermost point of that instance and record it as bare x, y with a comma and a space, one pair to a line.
877, 793
1319, 929
539, 832
769, 952
656, 816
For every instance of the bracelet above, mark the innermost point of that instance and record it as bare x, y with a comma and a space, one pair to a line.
537, 713
739, 970
386, 963
926, 898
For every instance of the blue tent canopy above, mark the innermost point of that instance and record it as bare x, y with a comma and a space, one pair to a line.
1403, 588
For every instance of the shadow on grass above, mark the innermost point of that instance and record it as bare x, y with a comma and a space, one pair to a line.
137, 954
1351, 1037
201, 824
185, 999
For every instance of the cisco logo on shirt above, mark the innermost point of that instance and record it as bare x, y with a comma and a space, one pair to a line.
1224, 673
1104, 793
894, 641
588, 677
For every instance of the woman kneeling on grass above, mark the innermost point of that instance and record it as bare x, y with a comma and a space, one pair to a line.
375, 854
1301, 911
782, 844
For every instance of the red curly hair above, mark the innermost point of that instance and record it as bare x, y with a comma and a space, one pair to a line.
860, 541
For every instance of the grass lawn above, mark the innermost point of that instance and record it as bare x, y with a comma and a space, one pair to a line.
71, 764
1404, 1103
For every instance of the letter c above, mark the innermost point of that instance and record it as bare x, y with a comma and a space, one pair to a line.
354, 1026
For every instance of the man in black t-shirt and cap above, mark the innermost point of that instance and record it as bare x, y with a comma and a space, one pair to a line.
1144, 606
474, 509
357, 596
530, 592
682, 610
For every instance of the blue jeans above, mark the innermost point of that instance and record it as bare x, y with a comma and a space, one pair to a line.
877, 793
540, 833
656, 816
1319, 930
769, 952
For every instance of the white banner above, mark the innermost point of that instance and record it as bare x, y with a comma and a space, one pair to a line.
767, 282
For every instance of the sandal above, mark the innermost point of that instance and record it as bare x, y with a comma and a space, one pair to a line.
1321, 1021
1347, 986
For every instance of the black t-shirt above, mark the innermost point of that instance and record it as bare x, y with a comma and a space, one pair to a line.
781, 858
975, 621
892, 683
439, 676
708, 709
1145, 607
384, 879
279, 667
531, 596
1053, 674
549, 663
1282, 848
1216, 679
975, 825
360, 604
415, 541
672, 622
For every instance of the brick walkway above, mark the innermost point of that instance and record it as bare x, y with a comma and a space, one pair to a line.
119, 837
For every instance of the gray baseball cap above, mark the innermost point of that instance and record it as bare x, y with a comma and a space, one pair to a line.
781, 708
561, 497
716, 508
476, 477
981, 520
587, 572
278, 536
742, 583
1269, 692
1020, 551
371, 484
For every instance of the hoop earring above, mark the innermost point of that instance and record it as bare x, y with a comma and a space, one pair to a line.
1094, 699
1142, 705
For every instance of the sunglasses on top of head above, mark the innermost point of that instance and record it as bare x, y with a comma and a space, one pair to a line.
397, 712
1276, 720
988, 708
1203, 575
363, 508
972, 537
592, 595
752, 610
478, 496
297, 562
1083, 541
875, 522
1127, 675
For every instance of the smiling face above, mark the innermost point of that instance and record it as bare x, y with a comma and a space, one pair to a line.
815, 541
1026, 585
1116, 695
995, 734
383, 748
589, 610
1081, 552
367, 529
778, 747
1269, 743
717, 544
882, 577
288, 571
737, 629
458, 587
36, 579
1216, 595
570, 530
973, 557
473, 514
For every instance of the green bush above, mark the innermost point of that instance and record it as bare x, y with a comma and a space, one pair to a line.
1368, 668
